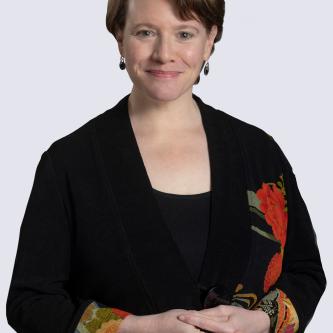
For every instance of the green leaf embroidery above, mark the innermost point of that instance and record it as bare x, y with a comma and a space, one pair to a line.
264, 234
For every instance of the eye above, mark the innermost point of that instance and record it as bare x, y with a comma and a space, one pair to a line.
144, 33
186, 35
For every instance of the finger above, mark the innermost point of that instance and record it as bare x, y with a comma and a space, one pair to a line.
218, 317
218, 310
208, 324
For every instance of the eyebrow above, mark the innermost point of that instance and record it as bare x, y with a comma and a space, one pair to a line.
182, 26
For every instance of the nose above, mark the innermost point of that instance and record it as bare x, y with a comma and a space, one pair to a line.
163, 50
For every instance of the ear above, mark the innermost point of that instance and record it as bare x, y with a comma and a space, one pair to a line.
210, 41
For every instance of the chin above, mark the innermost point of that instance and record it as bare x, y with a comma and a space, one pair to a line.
164, 94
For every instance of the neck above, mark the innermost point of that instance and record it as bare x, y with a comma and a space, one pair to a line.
155, 116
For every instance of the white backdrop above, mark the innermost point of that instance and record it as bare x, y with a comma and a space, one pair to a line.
272, 68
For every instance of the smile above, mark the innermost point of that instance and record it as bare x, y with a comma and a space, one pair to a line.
164, 74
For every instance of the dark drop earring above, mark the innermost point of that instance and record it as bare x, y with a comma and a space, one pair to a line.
206, 69
122, 64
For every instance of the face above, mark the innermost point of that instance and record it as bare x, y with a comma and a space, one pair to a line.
163, 53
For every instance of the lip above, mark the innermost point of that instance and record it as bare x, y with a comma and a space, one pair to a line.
164, 74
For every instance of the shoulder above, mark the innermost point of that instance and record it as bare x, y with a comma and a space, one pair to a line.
77, 148
81, 137
256, 143
80, 141
245, 130
73, 143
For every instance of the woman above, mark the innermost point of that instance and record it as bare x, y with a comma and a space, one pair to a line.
164, 206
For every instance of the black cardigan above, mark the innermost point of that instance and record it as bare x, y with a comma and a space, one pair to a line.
93, 235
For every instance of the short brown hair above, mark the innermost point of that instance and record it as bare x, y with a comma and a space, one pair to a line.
209, 12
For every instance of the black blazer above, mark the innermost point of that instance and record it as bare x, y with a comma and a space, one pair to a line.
93, 235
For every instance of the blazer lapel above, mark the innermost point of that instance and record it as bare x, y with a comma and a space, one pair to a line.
229, 238
160, 265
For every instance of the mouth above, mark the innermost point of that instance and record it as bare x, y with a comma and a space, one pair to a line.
164, 74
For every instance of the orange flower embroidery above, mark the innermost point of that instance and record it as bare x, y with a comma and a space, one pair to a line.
272, 204
273, 271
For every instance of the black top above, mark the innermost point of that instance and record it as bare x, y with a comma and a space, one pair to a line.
187, 216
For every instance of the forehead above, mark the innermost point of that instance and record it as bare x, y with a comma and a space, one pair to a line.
158, 12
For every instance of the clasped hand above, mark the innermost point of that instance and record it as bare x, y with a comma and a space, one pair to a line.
219, 319
227, 319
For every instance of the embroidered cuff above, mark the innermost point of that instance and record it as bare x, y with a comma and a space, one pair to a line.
281, 312
98, 318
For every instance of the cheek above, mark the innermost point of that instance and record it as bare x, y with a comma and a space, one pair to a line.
136, 53
193, 57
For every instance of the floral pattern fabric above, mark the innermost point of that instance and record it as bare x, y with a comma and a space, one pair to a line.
98, 318
270, 204
274, 207
282, 313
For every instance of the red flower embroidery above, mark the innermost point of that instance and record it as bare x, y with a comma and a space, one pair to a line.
272, 204
273, 271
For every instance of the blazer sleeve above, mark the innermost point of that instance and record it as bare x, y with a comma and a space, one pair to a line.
292, 301
38, 301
